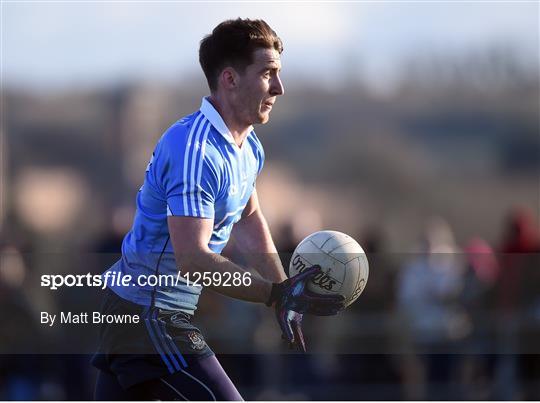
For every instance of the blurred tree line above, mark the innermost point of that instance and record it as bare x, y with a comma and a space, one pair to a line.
458, 136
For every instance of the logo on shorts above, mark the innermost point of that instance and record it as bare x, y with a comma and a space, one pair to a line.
197, 342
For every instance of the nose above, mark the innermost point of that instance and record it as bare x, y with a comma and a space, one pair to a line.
277, 86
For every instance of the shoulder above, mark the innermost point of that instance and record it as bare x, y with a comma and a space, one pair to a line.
178, 134
192, 144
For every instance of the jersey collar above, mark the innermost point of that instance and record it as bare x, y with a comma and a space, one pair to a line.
216, 120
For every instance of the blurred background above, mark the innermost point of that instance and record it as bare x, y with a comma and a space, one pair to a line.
413, 127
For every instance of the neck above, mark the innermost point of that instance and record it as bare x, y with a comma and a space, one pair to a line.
239, 130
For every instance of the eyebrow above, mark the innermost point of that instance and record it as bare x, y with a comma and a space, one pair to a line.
271, 67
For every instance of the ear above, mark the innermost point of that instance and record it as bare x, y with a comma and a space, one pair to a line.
229, 78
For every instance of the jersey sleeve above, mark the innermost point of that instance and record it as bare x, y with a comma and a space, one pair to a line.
185, 173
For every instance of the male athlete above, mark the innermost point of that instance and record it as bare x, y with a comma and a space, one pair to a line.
199, 190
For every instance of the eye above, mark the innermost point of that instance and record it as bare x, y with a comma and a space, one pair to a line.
266, 74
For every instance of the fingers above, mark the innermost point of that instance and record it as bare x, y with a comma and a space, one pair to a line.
308, 273
298, 336
316, 304
324, 310
290, 323
323, 305
324, 298
285, 325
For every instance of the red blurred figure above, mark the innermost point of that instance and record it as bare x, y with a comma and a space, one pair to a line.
519, 302
521, 237
482, 260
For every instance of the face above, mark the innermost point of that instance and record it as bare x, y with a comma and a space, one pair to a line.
258, 87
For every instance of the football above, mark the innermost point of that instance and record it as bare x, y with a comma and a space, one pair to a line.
343, 262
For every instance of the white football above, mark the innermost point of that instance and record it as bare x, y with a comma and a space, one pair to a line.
344, 264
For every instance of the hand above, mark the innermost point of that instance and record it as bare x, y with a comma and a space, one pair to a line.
292, 299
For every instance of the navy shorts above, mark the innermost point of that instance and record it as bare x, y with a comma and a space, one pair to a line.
164, 342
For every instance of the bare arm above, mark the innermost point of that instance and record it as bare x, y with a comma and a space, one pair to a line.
254, 241
190, 237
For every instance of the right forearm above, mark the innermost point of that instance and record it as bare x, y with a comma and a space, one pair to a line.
258, 289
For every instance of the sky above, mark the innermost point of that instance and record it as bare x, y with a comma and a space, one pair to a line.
59, 44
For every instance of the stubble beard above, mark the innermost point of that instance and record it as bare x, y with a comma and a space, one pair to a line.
263, 117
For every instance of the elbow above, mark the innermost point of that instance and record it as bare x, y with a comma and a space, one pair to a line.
186, 263
192, 262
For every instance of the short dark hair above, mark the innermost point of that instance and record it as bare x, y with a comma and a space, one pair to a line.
232, 43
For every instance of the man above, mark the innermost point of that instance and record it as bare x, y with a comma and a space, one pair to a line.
199, 190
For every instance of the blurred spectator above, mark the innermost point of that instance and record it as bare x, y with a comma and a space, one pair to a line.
18, 378
477, 297
481, 262
119, 223
518, 376
379, 295
428, 291
521, 237
286, 243
365, 324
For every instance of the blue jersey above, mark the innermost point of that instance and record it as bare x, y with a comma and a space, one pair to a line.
196, 170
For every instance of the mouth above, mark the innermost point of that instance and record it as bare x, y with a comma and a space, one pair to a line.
268, 105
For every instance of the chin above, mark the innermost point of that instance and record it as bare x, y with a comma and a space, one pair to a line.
263, 118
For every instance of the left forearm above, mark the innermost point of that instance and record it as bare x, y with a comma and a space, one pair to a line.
253, 239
